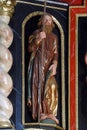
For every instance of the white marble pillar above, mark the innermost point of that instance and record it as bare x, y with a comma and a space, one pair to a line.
6, 61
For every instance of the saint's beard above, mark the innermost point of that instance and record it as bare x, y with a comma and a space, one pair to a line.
48, 29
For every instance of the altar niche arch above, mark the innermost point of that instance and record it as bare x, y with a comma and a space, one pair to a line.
29, 24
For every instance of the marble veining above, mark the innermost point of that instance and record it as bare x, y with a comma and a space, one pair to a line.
6, 83
6, 58
6, 34
6, 109
5, 19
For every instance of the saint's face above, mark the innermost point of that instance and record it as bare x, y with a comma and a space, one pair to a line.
47, 20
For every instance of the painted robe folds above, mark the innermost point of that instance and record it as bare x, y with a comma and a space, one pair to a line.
39, 74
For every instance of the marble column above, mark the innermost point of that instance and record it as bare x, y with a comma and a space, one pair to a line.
6, 61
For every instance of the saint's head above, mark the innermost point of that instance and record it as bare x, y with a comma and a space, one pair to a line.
46, 23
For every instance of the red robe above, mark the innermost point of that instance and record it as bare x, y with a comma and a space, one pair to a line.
41, 68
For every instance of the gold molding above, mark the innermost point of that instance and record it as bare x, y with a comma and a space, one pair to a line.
69, 76
76, 51
43, 124
62, 68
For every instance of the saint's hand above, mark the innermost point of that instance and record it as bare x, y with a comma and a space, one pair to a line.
42, 35
29, 102
53, 69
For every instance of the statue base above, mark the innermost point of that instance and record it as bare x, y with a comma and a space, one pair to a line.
46, 124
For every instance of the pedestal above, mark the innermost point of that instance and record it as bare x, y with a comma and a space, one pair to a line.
46, 124
6, 126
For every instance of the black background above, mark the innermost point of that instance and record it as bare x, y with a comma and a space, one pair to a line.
82, 72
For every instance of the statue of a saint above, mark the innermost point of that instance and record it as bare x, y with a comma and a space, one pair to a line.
43, 45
